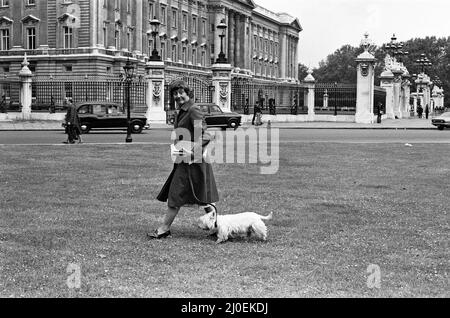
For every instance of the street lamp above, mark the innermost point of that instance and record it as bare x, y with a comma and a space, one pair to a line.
394, 48
335, 98
155, 30
129, 71
423, 62
221, 27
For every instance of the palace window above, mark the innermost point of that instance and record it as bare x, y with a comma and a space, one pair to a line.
31, 38
203, 58
31, 2
163, 15
203, 27
128, 6
194, 25
185, 22
68, 37
163, 51
174, 18
151, 10
183, 55
5, 40
194, 56
174, 52
4, 3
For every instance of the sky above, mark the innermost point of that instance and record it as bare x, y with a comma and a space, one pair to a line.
330, 24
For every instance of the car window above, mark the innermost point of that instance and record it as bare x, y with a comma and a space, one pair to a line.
112, 110
204, 108
215, 109
99, 109
84, 109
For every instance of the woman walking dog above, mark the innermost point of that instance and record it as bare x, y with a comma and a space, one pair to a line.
191, 181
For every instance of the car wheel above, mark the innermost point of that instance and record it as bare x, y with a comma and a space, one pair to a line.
441, 127
85, 128
136, 127
233, 123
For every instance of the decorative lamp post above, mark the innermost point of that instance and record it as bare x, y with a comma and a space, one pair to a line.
129, 71
335, 98
155, 30
222, 27
423, 62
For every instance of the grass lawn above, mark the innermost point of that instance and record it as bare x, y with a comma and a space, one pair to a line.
338, 209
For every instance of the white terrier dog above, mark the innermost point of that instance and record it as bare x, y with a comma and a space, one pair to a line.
232, 225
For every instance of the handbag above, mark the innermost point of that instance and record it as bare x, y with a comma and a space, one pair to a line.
183, 151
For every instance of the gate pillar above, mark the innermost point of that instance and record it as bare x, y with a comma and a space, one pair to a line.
155, 92
222, 85
387, 82
310, 86
25, 89
365, 86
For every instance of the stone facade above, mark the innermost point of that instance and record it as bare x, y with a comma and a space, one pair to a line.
95, 37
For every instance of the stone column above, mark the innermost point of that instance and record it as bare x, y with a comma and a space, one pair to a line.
222, 85
310, 85
232, 39
155, 92
387, 82
247, 47
283, 59
237, 52
406, 96
365, 88
218, 17
25, 89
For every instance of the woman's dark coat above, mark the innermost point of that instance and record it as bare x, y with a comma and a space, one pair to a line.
190, 183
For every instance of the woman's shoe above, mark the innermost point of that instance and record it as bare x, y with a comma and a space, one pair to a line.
157, 236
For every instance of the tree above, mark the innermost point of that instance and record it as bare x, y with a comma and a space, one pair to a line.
302, 71
341, 65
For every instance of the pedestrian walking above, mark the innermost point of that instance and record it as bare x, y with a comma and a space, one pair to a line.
419, 111
72, 123
427, 111
257, 113
189, 183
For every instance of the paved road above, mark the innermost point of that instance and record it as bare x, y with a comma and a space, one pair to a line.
286, 136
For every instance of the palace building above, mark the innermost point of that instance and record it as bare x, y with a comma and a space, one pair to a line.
94, 38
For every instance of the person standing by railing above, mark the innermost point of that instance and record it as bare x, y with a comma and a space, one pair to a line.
72, 123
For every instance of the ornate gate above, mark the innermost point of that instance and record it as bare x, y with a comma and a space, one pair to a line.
201, 85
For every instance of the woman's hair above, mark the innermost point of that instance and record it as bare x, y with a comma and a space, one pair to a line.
179, 84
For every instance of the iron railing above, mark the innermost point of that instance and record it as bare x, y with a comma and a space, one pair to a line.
10, 96
273, 97
48, 94
334, 97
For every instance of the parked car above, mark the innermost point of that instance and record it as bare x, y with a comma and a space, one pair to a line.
214, 116
108, 115
441, 121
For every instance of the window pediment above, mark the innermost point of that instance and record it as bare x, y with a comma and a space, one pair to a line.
6, 20
67, 17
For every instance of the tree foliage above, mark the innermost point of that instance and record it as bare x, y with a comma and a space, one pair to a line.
341, 65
